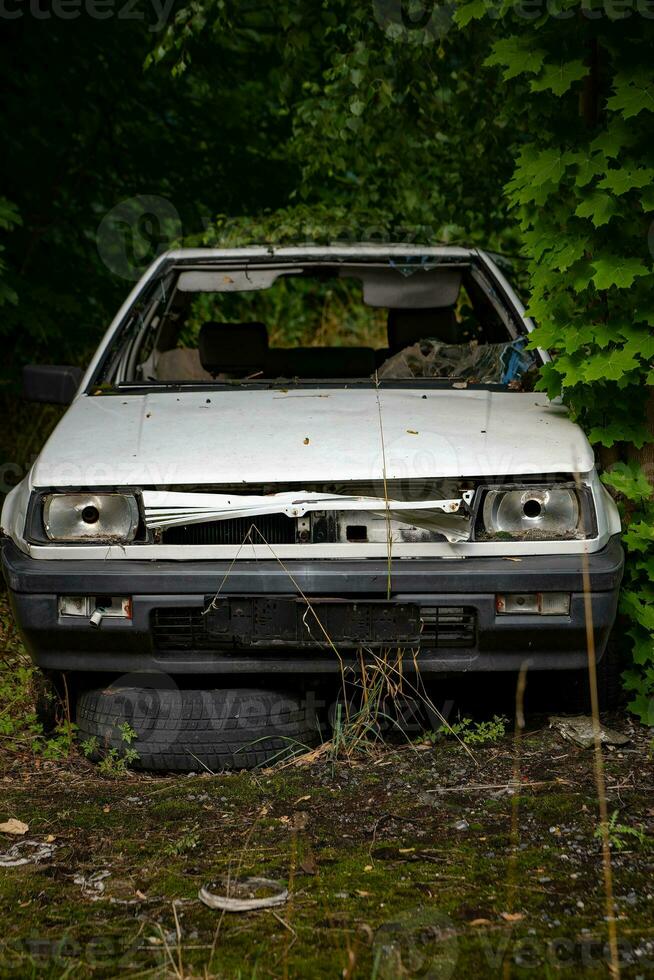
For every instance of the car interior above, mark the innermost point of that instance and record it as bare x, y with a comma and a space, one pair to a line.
446, 323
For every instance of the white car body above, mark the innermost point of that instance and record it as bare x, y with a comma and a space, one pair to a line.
399, 472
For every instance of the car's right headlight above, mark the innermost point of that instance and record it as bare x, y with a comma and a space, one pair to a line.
534, 512
99, 517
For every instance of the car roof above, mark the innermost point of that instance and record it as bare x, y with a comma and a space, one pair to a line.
319, 253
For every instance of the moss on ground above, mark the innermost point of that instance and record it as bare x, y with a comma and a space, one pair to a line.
398, 865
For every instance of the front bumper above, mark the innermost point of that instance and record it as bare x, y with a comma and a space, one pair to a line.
166, 588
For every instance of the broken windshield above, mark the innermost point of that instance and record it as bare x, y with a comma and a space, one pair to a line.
367, 323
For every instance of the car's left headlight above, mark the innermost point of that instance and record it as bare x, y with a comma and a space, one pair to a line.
535, 512
101, 517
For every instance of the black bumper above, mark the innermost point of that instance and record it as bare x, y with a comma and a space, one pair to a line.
163, 589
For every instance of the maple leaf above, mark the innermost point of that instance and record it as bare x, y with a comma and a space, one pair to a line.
616, 270
634, 92
625, 179
559, 77
609, 365
600, 208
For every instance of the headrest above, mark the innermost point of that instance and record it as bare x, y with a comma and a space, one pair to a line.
406, 327
233, 348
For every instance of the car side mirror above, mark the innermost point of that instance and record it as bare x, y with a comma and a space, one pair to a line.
53, 383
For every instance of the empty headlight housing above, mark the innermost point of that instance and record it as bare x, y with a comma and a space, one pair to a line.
91, 517
544, 513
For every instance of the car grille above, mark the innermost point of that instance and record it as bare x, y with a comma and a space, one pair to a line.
185, 629
448, 626
272, 528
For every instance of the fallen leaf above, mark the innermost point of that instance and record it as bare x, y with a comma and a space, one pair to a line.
480, 922
299, 821
13, 826
368, 867
306, 441
412, 432
308, 865
49, 839
512, 916
362, 894
106, 808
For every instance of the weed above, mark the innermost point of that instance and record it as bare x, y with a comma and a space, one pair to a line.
90, 746
621, 835
187, 842
471, 732
127, 733
115, 763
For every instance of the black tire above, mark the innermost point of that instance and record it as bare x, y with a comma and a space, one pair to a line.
180, 730
576, 685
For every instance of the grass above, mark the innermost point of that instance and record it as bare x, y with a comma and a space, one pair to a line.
382, 877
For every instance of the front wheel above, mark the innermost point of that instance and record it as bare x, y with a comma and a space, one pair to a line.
178, 730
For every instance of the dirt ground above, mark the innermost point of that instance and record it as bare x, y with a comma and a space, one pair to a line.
422, 860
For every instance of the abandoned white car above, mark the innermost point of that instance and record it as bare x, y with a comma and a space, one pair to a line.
228, 508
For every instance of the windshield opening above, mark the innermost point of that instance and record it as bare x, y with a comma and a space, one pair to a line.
237, 327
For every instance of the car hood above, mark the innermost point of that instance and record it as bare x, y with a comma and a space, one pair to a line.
307, 435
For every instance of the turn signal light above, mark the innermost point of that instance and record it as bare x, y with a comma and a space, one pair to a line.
533, 604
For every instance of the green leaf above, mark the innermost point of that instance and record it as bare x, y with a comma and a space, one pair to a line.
607, 435
610, 365
545, 166
559, 77
616, 270
517, 56
571, 369
549, 380
625, 179
588, 165
643, 646
643, 706
470, 11
647, 199
640, 537
634, 93
630, 480
639, 342
641, 612
581, 275
614, 139
600, 208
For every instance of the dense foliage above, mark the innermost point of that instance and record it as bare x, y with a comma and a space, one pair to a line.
579, 78
104, 164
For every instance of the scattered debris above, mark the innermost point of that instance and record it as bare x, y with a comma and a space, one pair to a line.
14, 826
92, 885
579, 730
298, 821
248, 889
26, 852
